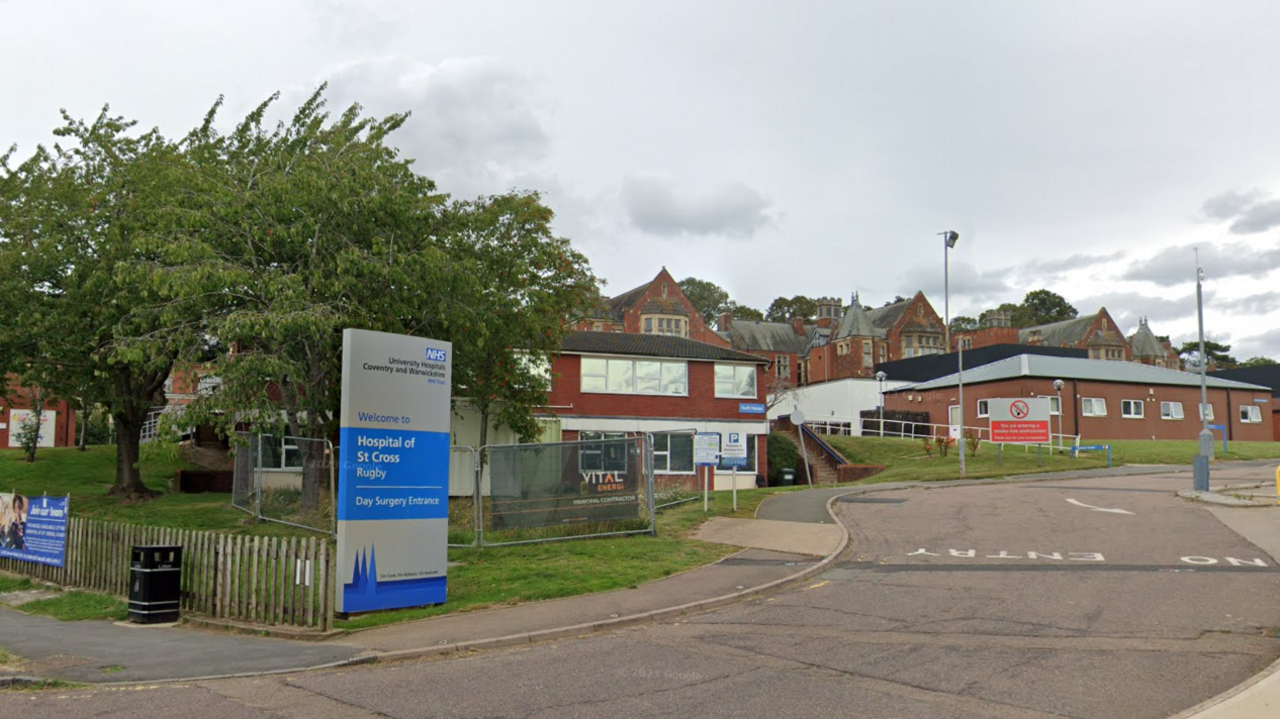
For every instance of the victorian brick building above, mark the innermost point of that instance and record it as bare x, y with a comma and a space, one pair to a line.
657, 307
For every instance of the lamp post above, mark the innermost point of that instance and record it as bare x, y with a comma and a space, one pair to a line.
1057, 386
949, 240
880, 377
1200, 473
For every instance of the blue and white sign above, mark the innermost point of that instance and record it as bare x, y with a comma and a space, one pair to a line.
752, 408
733, 451
393, 486
706, 449
34, 529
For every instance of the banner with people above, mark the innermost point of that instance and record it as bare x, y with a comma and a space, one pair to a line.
34, 529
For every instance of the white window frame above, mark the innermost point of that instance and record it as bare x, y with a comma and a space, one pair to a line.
782, 366
1171, 411
740, 377
1127, 404
1203, 413
1089, 407
1055, 407
662, 454
984, 408
590, 371
1250, 413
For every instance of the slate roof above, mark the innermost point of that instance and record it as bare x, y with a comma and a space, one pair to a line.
1059, 333
1067, 368
663, 306
886, 317
618, 343
1144, 342
755, 336
857, 323
617, 306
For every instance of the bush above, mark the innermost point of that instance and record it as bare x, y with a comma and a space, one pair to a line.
783, 454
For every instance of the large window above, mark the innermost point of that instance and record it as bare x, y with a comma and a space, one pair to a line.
1131, 408
625, 376
866, 353
735, 381
1170, 410
676, 326
1250, 413
602, 456
673, 453
782, 366
1093, 407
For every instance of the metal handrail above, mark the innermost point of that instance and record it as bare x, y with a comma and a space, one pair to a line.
826, 448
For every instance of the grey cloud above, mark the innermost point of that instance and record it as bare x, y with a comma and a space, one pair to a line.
970, 287
1126, 307
1266, 344
1176, 265
472, 124
656, 205
1261, 304
1250, 212
1066, 264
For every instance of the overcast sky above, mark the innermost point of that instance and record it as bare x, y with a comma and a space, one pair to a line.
775, 148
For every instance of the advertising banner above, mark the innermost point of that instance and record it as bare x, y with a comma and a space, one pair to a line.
393, 498
33, 529
18, 417
1019, 421
568, 483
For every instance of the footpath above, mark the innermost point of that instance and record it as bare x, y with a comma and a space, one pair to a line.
793, 537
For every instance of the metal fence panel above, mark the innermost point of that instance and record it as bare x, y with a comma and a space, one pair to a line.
289, 480
464, 497
547, 492
244, 484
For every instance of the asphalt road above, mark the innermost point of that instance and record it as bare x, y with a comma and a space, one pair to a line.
1079, 598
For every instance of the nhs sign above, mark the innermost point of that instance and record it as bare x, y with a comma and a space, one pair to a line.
436, 355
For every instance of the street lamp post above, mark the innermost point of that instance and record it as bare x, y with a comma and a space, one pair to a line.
1200, 473
1057, 386
949, 240
880, 377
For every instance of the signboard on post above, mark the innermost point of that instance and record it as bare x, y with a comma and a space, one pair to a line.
733, 452
706, 449
34, 529
1017, 420
393, 503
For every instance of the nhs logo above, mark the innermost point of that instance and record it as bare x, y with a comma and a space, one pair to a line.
437, 355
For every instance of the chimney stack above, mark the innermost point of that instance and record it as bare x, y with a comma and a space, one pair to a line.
724, 321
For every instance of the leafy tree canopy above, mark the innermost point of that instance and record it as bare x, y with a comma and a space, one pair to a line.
1257, 361
964, 324
1040, 307
1216, 351
783, 309
742, 312
708, 298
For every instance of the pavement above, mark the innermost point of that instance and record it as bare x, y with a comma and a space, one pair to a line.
794, 537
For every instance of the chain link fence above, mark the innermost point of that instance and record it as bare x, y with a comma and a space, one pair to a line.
289, 480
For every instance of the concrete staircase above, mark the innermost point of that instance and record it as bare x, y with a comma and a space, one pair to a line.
821, 463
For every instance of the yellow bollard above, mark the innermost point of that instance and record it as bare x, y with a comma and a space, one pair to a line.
1277, 485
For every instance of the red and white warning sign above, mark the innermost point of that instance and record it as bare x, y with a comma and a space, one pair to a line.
1024, 421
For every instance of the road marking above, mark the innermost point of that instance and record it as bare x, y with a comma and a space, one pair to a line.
1098, 509
816, 585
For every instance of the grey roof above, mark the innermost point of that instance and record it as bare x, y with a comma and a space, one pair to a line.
1144, 342
617, 306
754, 336
1057, 334
857, 323
618, 343
886, 317
1067, 368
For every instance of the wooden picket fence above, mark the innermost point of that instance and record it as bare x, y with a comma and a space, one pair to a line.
259, 580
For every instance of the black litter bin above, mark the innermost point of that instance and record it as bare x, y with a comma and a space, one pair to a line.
155, 584
786, 477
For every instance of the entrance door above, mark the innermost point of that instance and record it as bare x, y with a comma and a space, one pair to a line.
953, 421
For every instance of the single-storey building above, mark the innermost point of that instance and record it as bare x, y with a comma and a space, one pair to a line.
607, 384
1265, 375
1100, 399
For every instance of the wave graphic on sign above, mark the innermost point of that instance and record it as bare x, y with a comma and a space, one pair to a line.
366, 594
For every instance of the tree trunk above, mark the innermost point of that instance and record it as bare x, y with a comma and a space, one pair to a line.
82, 445
128, 454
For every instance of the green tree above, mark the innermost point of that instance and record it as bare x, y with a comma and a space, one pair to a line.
1216, 351
75, 219
1259, 361
708, 298
1040, 307
742, 312
1008, 309
896, 299
783, 309
964, 324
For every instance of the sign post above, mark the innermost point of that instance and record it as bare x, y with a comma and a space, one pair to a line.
393, 504
706, 453
734, 454
1017, 420
797, 419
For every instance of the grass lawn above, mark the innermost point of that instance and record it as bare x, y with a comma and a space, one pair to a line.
906, 460
66, 606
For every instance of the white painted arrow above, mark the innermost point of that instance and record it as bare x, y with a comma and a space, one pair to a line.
1099, 509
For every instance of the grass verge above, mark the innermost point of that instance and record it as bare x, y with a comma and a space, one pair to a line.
78, 606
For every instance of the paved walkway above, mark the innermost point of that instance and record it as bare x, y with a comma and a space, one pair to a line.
786, 543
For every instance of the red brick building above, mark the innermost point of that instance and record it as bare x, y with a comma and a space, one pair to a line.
58, 425
864, 338
1100, 400
1097, 334
607, 384
657, 307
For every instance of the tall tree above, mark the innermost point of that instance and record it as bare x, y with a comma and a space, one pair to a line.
1217, 352
1040, 307
75, 219
783, 309
708, 298
964, 324
1258, 361
742, 312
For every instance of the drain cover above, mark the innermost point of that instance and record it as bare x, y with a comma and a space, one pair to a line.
855, 499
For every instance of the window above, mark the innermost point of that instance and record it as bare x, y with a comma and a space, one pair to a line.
674, 326
1206, 412
624, 376
1131, 408
1250, 413
1093, 407
735, 381
648, 325
673, 453
866, 354
280, 453
983, 408
782, 366
1170, 410
603, 456
1055, 407
882, 352
751, 458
